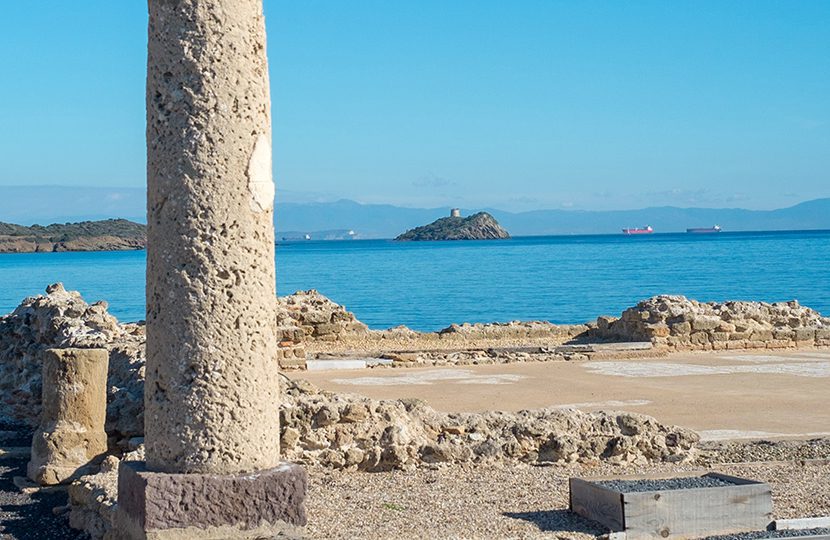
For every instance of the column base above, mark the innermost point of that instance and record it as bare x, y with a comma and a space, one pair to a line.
168, 506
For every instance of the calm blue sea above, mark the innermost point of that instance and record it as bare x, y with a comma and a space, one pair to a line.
428, 285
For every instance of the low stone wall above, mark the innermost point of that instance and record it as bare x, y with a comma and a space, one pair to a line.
513, 330
318, 317
349, 431
679, 323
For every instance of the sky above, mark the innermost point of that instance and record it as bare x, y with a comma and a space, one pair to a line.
513, 105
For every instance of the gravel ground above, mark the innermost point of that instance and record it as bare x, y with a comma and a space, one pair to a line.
28, 516
771, 534
513, 501
743, 451
666, 484
471, 502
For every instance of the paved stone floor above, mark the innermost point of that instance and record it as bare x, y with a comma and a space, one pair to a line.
723, 395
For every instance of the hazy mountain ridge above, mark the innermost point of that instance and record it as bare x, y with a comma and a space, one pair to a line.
50, 204
386, 221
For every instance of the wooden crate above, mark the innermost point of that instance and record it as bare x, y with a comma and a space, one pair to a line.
680, 513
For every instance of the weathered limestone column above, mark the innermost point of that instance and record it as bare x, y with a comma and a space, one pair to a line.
212, 388
212, 402
71, 436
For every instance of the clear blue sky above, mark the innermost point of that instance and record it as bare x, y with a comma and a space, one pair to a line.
517, 105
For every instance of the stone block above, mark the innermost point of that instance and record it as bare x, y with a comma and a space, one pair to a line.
705, 323
805, 334
658, 330
71, 436
699, 338
167, 506
783, 333
326, 329
292, 363
736, 344
720, 336
761, 335
678, 342
681, 329
780, 344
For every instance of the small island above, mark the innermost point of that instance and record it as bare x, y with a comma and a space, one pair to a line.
105, 235
480, 226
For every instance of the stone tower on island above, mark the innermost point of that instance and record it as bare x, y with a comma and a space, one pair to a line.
455, 212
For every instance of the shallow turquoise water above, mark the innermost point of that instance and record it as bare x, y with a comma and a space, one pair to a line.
428, 285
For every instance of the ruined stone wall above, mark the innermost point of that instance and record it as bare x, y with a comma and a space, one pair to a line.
290, 349
513, 330
679, 323
318, 317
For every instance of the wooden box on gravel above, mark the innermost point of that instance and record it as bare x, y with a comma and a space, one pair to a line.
690, 505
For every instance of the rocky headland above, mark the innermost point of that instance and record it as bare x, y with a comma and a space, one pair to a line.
480, 226
105, 235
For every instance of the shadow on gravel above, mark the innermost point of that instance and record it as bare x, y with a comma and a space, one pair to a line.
29, 516
559, 521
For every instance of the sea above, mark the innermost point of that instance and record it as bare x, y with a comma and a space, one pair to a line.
430, 285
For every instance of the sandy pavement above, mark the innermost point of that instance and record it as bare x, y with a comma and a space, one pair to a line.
723, 395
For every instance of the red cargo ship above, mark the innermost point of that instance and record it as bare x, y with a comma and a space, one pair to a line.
646, 230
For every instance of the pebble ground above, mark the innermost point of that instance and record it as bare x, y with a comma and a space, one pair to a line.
690, 482
511, 501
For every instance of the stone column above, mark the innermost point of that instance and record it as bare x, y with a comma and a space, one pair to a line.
71, 437
212, 388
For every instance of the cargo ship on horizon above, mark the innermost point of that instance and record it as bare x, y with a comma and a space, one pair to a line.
704, 230
634, 230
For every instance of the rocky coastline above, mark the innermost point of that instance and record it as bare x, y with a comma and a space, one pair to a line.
106, 235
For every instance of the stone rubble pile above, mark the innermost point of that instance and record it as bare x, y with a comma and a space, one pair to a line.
349, 431
679, 323
62, 319
318, 317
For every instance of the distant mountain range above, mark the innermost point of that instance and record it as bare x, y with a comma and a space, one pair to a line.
386, 221
49, 204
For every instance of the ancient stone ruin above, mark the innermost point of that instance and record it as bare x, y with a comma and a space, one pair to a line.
71, 437
318, 317
679, 323
351, 432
